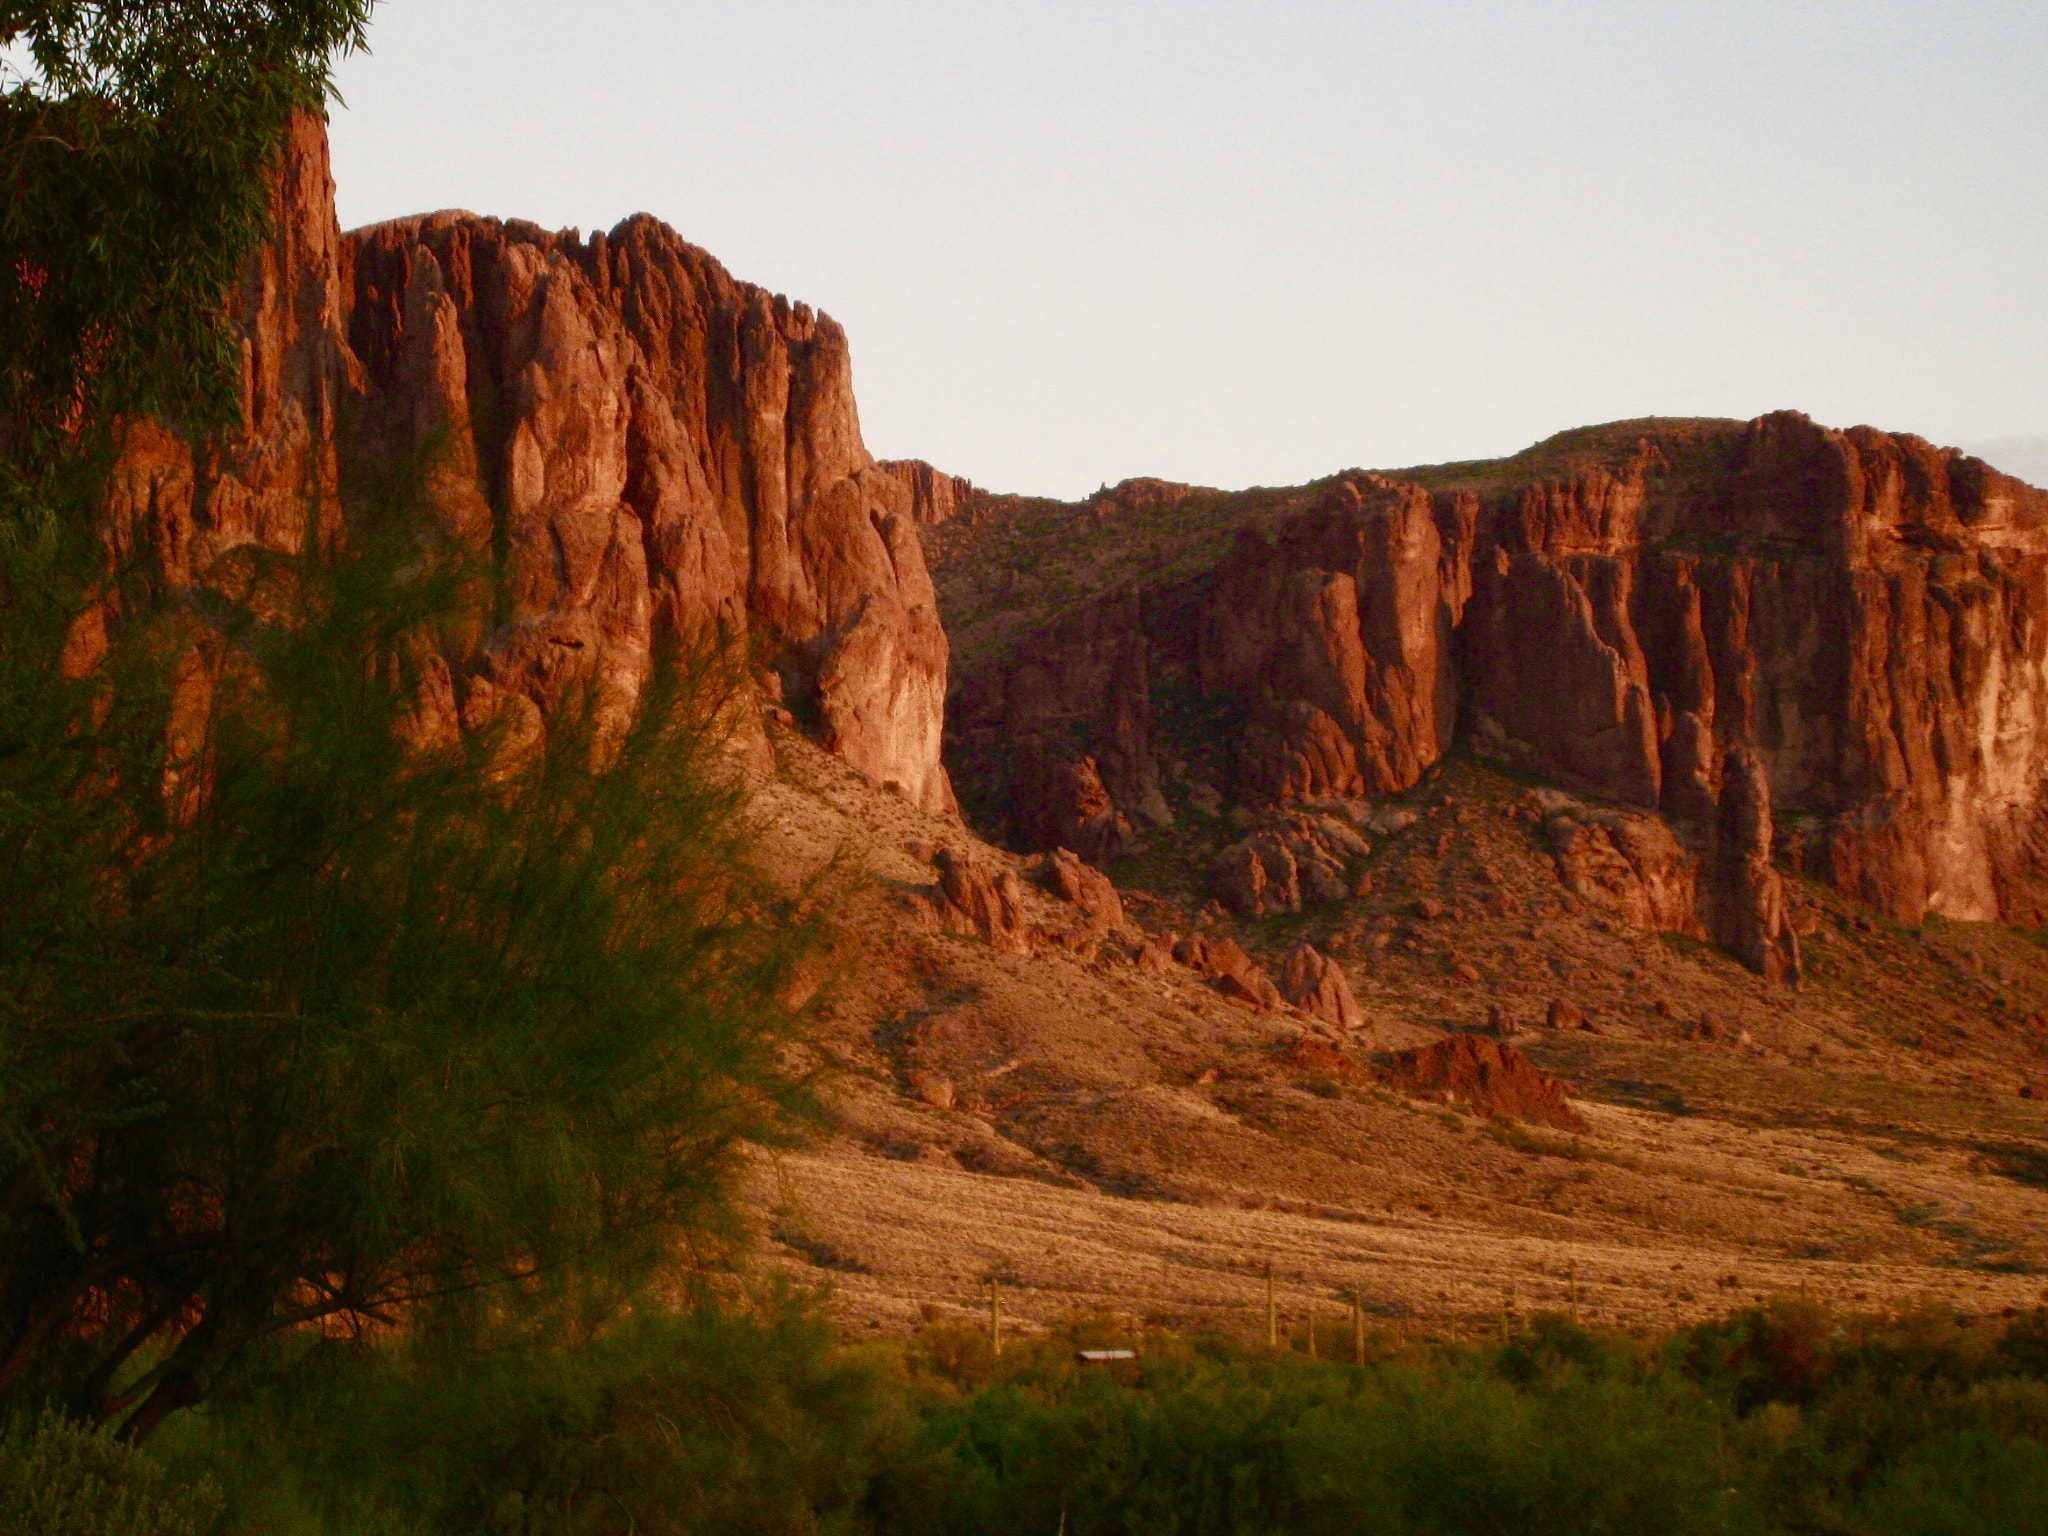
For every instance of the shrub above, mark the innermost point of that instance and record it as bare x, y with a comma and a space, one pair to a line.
712, 1421
58, 1478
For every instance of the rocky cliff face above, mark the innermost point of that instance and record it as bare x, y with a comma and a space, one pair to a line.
1857, 614
1861, 611
185, 509
650, 450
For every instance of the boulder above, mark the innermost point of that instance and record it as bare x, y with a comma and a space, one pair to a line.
1563, 1014
970, 900
1316, 985
1086, 887
1236, 974
1321, 1059
1710, 1026
935, 1091
1257, 877
1251, 989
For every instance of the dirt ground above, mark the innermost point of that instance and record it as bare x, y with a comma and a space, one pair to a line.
1096, 1135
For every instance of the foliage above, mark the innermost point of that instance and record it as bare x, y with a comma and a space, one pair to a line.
1785, 1418
134, 165
1231, 1446
754, 1421
711, 1420
316, 1007
58, 1478
313, 1008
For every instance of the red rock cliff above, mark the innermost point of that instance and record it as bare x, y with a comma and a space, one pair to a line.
1863, 612
651, 447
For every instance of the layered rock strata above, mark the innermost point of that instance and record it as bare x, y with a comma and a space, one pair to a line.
649, 452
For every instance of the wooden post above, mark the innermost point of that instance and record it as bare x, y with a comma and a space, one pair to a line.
1272, 1311
1357, 1328
1571, 1288
1311, 1335
995, 1316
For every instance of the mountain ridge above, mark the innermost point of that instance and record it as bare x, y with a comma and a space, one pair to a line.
1263, 714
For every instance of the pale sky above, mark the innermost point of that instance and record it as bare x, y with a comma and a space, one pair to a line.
1236, 243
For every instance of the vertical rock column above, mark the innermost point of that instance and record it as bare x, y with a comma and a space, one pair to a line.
1747, 895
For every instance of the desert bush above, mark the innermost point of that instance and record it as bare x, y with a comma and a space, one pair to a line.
60, 1478
712, 1420
752, 1419
1286, 1446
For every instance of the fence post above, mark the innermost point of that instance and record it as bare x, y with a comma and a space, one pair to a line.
995, 1316
1272, 1311
1357, 1328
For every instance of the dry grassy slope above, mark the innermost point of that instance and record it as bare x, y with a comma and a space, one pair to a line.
1124, 1140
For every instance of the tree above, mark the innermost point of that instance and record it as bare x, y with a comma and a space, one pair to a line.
134, 163
310, 1015
304, 1018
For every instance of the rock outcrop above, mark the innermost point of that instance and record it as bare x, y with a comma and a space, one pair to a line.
1630, 865
1747, 895
1486, 1076
1306, 857
649, 451
1062, 803
182, 508
932, 496
1237, 976
1088, 888
970, 901
1315, 984
1613, 612
1257, 877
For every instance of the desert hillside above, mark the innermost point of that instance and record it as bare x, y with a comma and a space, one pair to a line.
1605, 878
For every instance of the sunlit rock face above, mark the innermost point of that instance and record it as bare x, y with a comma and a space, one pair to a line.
1860, 611
649, 450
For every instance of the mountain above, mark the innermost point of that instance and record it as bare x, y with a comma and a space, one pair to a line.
1607, 877
1614, 611
658, 451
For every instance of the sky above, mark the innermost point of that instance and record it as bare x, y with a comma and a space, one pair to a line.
1238, 243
